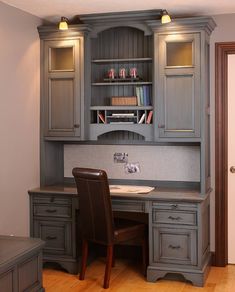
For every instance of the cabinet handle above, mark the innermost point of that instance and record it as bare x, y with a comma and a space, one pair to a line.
76, 125
174, 246
51, 210
161, 126
51, 237
174, 218
174, 206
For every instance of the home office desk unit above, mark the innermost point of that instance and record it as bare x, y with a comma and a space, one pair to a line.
172, 109
178, 223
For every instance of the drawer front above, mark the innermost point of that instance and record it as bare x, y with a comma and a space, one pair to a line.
174, 217
48, 199
175, 246
128, 205
174, 206
52, 210
57, 235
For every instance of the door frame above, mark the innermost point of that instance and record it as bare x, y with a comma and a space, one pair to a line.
222, 50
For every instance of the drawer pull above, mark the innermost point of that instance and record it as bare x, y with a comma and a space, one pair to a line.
51, 237
174, 206
174, 246
174, 218
51, 210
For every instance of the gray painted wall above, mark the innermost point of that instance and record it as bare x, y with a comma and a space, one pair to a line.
19, 117
174, 163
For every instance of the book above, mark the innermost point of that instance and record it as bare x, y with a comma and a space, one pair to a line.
122, 115
149, 118
141, 95
137, 89
101, 116
142, 118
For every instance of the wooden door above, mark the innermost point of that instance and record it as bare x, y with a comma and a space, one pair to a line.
231, 159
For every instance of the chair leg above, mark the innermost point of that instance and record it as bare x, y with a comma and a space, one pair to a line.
84, 259
113, 260
109, 261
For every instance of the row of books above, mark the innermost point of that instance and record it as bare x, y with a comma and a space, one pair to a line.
143, 95
145, 118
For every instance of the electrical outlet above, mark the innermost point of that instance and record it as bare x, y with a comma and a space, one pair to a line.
132, 167
120, 157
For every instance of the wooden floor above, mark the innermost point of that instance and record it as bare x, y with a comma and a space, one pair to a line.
127, 277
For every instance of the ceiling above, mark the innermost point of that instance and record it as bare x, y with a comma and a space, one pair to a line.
52, 10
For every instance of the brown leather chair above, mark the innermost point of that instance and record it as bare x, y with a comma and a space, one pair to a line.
96, 219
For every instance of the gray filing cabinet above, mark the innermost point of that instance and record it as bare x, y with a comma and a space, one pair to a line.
54, 219
179, 240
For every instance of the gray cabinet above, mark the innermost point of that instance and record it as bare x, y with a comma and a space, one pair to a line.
54, 219
62, 82
179, 240
20, 264
178, 86
62, 88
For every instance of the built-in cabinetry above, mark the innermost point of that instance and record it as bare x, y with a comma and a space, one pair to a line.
126, 78
54, 219
179, 239
178, 89
121, 66
62, 82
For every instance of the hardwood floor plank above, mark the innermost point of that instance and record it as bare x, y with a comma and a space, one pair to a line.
127, 277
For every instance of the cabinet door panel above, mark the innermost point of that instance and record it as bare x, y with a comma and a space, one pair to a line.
61, 105
179, 103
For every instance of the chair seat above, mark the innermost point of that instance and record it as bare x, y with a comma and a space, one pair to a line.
125, 230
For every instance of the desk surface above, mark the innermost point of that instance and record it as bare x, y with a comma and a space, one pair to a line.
156, 194
12, 247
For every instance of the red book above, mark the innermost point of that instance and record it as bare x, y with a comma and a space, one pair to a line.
101, 117
149, 118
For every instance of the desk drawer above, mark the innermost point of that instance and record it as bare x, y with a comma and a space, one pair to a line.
128, 205
57, 236
49, 199
175, 246
52, 210
174, 206
175, 217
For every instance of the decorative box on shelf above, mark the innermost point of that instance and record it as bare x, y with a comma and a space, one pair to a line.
124, 100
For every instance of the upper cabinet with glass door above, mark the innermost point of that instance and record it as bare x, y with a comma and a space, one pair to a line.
179, 85
62, 88
62, 79
181, 78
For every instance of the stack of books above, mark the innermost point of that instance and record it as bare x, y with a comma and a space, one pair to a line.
143, 95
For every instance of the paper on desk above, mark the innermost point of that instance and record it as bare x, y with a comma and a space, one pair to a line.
122, 189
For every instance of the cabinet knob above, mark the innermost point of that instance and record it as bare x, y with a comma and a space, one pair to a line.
232, 169
76, 125
161, 126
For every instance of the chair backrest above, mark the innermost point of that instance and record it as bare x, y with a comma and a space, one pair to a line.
96, 215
